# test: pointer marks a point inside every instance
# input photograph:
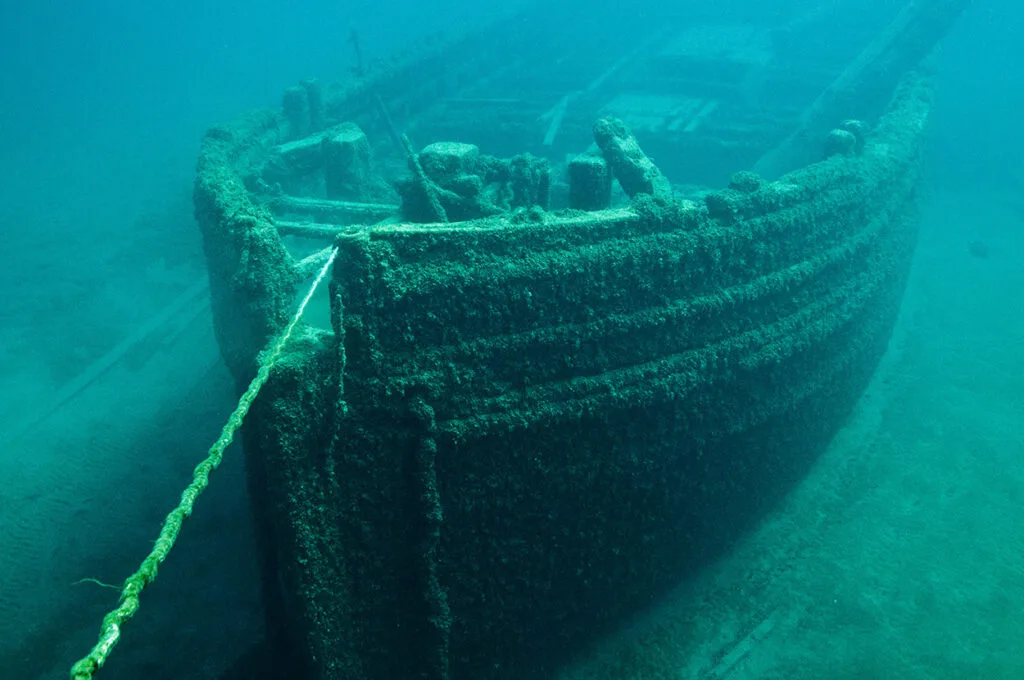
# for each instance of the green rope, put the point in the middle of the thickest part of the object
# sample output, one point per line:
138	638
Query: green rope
110	631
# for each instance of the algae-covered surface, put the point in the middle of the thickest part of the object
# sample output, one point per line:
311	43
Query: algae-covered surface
899	555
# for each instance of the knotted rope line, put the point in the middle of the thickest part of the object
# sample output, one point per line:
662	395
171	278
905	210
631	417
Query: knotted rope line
110	630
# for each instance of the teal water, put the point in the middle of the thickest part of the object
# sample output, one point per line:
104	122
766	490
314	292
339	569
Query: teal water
899	557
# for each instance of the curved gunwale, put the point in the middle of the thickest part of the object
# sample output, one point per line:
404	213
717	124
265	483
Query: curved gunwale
425	274
237	218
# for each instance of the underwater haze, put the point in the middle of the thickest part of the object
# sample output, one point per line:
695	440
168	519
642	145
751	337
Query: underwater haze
896	554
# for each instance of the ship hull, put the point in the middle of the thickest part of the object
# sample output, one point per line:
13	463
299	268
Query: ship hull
518	432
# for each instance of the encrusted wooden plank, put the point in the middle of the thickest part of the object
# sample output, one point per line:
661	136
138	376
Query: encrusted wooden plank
321	210
732	658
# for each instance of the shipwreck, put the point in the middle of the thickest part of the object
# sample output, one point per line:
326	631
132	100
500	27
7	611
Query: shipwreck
598	296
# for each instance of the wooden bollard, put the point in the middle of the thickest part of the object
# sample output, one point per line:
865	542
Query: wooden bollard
590	183
347	163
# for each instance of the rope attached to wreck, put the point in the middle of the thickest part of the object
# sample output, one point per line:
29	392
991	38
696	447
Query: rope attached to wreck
110	631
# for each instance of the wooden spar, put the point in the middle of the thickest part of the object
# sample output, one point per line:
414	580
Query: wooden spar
308	230
910	37
428	188
323	210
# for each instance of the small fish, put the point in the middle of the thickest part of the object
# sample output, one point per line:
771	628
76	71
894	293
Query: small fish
978	249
